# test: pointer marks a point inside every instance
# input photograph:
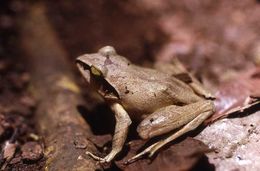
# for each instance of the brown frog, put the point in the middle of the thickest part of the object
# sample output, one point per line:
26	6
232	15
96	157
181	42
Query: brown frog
165	99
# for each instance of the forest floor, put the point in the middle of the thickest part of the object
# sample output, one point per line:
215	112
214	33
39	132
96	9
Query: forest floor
218	41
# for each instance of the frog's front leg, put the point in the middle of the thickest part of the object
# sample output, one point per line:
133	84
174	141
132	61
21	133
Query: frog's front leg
123	121
170	118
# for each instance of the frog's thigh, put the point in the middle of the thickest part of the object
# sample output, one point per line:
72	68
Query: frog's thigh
188	127
194	123
171	117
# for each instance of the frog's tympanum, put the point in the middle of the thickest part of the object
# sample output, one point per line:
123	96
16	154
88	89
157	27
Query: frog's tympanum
163	100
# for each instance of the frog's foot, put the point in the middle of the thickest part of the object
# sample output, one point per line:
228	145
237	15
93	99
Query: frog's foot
150	151
99	159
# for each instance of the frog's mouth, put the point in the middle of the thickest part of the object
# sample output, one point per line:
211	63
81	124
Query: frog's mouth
97	82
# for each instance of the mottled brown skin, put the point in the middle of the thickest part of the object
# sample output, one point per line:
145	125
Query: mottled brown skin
164	101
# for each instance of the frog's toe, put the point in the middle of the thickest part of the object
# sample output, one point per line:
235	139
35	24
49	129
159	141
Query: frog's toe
135	158
100	159
104	160
148	151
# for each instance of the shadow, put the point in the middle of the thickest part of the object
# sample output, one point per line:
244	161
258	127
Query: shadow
246	112
101	119
203	164
113	167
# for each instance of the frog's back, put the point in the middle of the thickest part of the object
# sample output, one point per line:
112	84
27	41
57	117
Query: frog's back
146	90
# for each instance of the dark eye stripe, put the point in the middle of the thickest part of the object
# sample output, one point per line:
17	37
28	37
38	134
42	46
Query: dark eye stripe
104	85
83	65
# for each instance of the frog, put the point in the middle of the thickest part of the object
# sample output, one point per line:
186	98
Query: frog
165	99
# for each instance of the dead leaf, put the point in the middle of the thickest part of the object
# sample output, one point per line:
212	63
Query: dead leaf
237	94
8	152
32	151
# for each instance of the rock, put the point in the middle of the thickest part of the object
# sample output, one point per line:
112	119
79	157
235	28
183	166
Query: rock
32	151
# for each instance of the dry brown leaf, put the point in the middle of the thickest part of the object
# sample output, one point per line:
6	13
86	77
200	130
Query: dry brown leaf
237	94
8	151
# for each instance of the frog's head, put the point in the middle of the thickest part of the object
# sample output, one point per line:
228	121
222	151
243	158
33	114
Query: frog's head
99	70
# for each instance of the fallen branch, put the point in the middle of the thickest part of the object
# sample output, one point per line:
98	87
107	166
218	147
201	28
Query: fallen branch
65	132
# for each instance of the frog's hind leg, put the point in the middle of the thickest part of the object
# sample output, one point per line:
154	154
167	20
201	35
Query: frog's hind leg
177	69
194	123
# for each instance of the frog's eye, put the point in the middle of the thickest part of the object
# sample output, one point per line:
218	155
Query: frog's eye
95	71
